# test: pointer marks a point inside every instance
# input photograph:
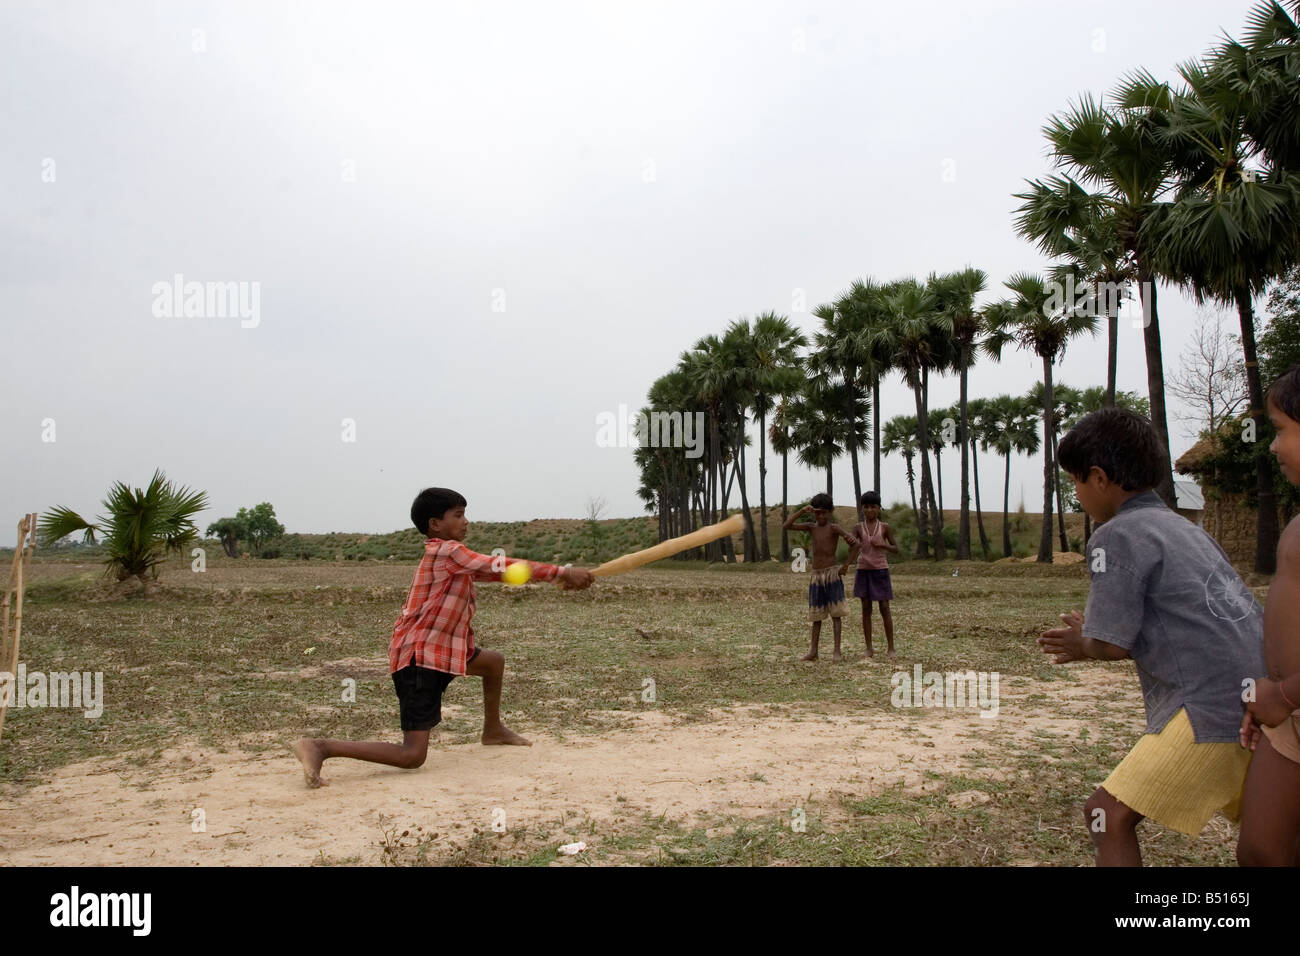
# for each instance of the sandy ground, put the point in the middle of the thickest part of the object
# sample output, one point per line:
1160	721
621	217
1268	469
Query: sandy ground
749	761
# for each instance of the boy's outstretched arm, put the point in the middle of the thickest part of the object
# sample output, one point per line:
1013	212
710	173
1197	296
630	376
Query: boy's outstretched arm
1068	643
470	562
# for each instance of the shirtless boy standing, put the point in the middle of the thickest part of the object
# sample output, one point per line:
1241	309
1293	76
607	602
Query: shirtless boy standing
826	589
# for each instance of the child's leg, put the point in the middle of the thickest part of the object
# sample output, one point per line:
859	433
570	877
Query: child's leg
888	618
1270	810
1113	828
314	751
816	635
491	665
866	624
836	657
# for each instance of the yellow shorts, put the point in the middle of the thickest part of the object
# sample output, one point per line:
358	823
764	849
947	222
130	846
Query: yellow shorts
1173	780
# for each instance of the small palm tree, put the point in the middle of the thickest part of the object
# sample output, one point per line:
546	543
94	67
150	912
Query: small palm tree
140	528
899	438
1010	429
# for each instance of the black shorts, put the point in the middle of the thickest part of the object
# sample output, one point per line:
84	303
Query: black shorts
419	695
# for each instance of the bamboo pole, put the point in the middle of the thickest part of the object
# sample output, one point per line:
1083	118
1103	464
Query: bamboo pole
17	584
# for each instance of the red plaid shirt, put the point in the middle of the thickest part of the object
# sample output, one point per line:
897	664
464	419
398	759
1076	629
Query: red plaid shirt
434	629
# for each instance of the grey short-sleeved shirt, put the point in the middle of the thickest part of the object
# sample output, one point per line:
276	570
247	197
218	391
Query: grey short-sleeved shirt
1169	596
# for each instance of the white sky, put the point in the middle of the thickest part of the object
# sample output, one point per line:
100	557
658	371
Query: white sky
497	147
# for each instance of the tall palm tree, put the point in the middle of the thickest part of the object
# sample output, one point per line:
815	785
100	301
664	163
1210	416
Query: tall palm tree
708	370
1066	402
1231	230
917	338
838	354
1011	429
1028	320
779	434
776	345
1117	151
1068	222
141	527
738	341
957	292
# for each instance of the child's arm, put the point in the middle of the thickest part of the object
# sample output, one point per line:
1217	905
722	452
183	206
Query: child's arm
1272	703
1068	643
465	561
792	523
888	532
854	547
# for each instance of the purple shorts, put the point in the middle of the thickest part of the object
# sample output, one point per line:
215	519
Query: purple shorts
872	584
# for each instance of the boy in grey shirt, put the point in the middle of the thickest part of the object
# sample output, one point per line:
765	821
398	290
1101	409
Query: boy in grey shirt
1164	594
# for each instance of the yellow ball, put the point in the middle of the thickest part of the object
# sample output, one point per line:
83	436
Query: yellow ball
517	573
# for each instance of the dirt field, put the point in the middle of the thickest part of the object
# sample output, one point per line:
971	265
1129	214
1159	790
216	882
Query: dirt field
746	755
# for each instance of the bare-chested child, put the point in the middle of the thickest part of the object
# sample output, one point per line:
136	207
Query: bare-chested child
433	642
871	582
1270	806
826	589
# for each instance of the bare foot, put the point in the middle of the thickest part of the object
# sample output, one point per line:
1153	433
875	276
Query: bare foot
891	656
503	735
837	658
870	656
810	656
311	756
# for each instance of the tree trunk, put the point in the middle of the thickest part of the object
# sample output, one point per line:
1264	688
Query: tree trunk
764	553
963	519
1045	539
1266	532
1006	511
911	484
1060	500
1112	354
979	514
785	497
875	430
927	482
1156	382
938	474
750	542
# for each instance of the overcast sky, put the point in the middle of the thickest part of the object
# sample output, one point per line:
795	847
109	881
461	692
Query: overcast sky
473	228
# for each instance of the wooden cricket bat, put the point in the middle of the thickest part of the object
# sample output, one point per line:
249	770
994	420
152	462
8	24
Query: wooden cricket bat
666	549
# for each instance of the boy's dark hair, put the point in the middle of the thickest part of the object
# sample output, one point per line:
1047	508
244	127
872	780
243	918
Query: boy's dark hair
1120	442
433	503
1284	393
870	498
822	502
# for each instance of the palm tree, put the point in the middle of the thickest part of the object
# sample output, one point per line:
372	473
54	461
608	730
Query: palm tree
1068	222
709	372
1011	429
899	438
1065	407
1118	152
140	528
917	338
957	292
839	353
1231	229
817	423
738	341
782	443
776	345
1028	320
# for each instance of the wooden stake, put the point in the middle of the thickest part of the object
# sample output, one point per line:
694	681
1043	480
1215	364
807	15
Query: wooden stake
17	584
